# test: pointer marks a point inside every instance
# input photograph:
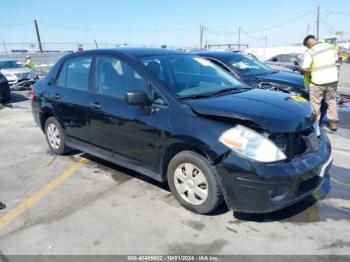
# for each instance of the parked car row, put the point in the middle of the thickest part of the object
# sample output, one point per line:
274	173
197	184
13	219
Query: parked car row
17	75
189	120
292	61
14	76
257	74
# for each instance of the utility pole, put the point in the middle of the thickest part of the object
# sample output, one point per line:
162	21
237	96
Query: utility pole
38	36
3	41
201	36
318	22
239	38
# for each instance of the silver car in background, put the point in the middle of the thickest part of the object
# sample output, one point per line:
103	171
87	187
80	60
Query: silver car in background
18	75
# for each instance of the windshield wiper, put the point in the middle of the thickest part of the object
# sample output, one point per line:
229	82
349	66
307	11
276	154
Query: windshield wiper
196	96
231	89
222	91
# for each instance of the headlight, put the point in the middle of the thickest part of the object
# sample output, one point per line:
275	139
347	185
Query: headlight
251	144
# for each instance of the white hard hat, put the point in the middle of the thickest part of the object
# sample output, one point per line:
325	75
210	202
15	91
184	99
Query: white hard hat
28	56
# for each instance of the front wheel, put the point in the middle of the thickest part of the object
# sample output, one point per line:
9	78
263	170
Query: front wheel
55	137
194	183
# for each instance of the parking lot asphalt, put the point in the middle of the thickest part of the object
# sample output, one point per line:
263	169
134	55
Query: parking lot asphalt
78	204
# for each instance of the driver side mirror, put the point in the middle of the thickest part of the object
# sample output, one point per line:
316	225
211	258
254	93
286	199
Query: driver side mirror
137	98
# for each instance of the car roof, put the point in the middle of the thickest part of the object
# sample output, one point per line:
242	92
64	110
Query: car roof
217	54
136	51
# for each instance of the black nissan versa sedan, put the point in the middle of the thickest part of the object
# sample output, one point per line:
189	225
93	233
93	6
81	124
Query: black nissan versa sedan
177	117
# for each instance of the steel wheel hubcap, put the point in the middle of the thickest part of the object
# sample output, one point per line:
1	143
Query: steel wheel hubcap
53	136
191	184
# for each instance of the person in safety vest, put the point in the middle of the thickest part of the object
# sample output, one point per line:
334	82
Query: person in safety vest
320	66
29	63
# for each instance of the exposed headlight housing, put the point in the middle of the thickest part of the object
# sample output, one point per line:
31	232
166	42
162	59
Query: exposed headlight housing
251	144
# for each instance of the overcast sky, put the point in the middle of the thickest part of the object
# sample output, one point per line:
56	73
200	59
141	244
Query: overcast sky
171	22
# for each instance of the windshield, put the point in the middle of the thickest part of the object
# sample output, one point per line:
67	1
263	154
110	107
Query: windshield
247	66
188	75
10	64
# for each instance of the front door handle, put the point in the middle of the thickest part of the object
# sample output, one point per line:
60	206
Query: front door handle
96	105
56	96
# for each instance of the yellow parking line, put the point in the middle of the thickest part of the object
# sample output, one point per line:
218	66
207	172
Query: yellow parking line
31	201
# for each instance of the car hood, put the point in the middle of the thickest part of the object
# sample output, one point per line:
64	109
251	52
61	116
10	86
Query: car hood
21	70
273	111
283	77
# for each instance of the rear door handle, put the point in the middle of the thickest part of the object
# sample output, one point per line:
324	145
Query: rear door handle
56	96
96	105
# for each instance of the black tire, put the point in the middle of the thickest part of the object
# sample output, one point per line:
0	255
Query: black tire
63	148
7	100
214	196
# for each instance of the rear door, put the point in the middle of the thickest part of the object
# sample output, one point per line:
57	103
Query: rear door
71	97
125	130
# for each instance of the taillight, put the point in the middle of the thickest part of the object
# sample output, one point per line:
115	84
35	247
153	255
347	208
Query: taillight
32	94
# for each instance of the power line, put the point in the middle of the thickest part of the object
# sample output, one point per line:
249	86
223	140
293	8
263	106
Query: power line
226	33
251	37
114	31
217	32
338	13
282	24
10	25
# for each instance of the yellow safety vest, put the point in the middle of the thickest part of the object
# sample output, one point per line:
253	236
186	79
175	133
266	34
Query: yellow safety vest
307	80
324	68
30	64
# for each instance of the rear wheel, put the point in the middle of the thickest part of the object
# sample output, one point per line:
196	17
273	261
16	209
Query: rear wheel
193	182
55	137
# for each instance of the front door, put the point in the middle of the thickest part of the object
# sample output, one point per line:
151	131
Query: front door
117	127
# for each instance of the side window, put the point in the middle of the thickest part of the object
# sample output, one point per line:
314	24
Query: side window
285	59
115	77
78	72
61	80
75	74
155	66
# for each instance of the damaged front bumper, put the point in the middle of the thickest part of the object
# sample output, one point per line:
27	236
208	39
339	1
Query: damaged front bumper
23	83
253	187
